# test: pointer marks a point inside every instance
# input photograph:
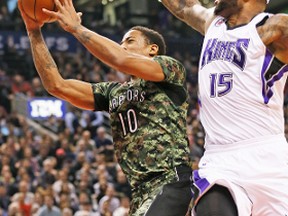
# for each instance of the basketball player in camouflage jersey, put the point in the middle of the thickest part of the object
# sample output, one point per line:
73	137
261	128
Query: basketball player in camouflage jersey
148	113
148	125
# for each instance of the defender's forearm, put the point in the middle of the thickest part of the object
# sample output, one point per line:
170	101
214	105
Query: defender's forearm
177	7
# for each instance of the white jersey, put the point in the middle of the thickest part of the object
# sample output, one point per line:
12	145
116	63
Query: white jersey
240	84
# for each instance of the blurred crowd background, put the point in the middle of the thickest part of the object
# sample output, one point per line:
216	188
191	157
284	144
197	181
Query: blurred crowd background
66	166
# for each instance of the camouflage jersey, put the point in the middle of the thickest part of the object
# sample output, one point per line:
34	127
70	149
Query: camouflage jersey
148	121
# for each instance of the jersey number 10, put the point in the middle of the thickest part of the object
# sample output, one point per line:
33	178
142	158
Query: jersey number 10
128	121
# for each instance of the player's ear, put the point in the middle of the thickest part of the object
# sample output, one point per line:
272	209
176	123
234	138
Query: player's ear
153	49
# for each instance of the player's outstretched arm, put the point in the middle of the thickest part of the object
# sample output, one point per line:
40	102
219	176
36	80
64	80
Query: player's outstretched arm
191	12
274	34
108	51
76	92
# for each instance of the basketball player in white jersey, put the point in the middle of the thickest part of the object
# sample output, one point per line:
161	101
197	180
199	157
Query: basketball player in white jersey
242	74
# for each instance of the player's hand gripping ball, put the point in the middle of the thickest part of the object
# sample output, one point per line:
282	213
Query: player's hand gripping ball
33	9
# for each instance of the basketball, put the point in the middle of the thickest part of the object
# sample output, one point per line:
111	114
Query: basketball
33	9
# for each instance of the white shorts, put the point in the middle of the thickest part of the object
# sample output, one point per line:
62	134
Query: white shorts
254	171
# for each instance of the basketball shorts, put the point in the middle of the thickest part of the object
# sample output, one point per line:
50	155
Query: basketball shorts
159	198
254	171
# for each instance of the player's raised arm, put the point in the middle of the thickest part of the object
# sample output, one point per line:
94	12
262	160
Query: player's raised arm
108	51
76	92
191	12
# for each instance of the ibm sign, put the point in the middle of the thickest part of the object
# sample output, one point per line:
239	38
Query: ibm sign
42	108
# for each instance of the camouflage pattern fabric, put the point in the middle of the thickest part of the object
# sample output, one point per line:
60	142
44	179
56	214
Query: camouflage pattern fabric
148	121
145	194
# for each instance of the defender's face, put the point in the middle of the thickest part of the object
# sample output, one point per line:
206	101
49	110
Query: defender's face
134	41
225	8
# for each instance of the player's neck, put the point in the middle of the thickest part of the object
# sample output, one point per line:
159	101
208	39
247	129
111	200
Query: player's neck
243	17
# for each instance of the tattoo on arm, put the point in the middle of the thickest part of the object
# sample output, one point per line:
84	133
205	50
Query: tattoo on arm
92	41
85	37
43	60
271	30
175	7
50	64
182	4
178	7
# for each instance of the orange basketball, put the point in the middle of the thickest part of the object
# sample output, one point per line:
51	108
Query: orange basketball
33	9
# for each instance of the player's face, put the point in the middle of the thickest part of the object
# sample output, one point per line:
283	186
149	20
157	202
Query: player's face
134	41
225	8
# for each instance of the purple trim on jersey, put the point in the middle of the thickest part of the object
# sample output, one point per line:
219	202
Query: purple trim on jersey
199	102
275	78
201	183
267	62
268	84
278	75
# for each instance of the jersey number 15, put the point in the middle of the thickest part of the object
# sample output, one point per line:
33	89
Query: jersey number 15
220	84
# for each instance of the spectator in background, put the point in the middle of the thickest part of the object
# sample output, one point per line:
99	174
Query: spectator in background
8	181
71	118
84	186
111	198
38	201
91	120
101	186
49	209
102	140
86	210
43	154
7	161
11	6
86	173
87	139
34	166
122	186
61	157
5	93
67	212
23	199
79	162
62	179
86	206
123	209
37	88
88	150
23	192
105	209
105	146
66	190
24	206
13	209
4	198
19	85
66	201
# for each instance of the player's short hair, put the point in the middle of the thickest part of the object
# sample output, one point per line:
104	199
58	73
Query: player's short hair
153	37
